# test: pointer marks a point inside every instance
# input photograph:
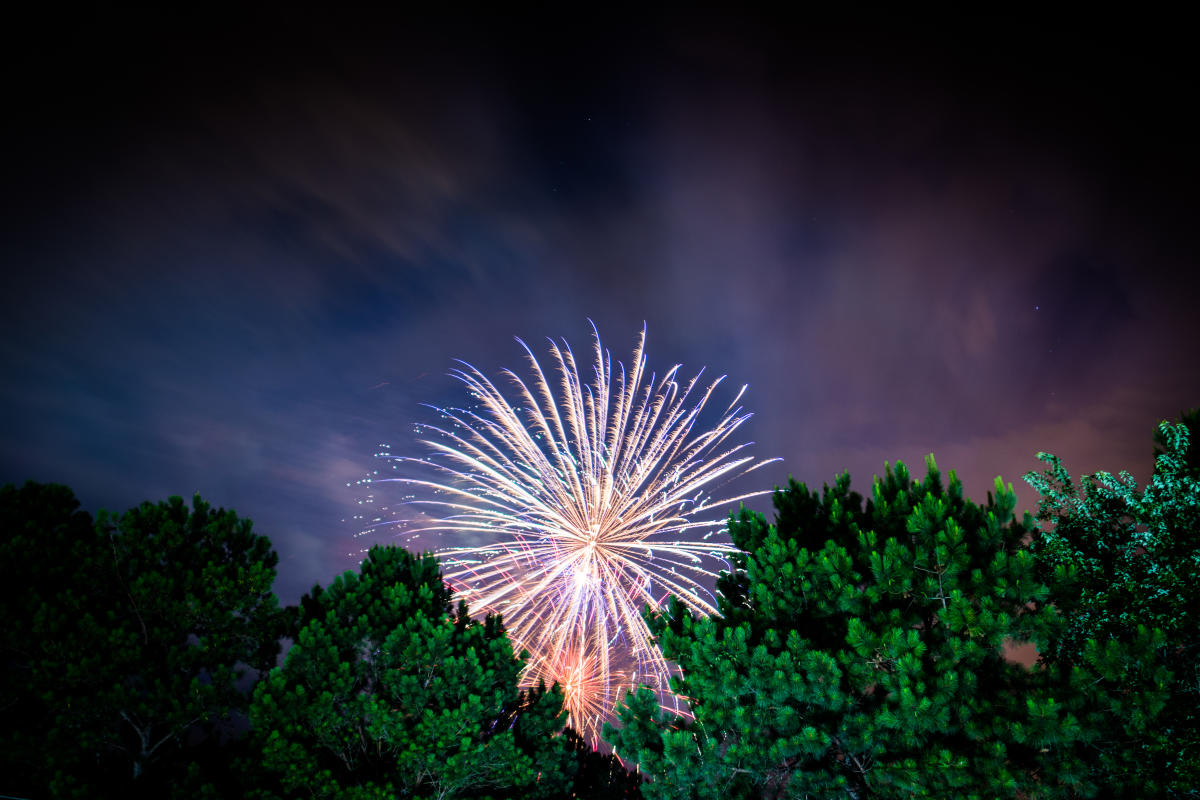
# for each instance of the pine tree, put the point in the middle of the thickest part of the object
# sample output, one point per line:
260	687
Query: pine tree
124	640
859	651
390	692
1124	569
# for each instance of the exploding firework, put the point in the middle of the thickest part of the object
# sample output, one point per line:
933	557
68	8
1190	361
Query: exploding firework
590	503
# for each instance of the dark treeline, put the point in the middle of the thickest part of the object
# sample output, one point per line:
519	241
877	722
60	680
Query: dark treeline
139	659
863	648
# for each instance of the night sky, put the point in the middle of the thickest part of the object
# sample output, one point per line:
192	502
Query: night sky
240	253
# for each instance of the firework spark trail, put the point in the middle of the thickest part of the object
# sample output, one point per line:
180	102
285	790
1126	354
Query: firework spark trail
585	497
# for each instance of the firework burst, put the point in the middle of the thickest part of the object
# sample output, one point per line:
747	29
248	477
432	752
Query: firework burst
591	503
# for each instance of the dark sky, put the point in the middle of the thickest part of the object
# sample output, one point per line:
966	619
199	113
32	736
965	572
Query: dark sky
241	252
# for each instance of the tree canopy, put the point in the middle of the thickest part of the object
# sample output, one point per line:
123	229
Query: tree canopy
1123	565
391	692
124	638
859	650
862	648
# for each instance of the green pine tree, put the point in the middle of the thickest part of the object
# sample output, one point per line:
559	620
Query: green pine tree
390	692
1123	564
859	651
125	641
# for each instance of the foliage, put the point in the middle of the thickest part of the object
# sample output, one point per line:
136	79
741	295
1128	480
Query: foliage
389	692
47	559
860	652
1124	567
125	639
1191	457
